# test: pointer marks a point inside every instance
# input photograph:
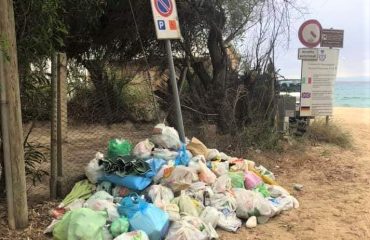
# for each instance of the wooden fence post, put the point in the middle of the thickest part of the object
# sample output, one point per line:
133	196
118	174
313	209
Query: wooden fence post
53	131
62	116
14	152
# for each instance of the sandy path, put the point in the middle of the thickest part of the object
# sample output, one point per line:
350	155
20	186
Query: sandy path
335	200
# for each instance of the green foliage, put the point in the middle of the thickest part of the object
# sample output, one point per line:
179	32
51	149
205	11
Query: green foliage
40	29
262	136
86	106
36	93
34	156
331	133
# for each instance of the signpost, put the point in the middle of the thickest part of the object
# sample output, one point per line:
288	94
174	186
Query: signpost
332	38
165	19
317	83
167	27
307	53
319	68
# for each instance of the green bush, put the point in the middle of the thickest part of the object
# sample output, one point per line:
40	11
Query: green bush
331	133
262	135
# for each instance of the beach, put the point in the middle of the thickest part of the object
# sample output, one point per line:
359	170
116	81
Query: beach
334	203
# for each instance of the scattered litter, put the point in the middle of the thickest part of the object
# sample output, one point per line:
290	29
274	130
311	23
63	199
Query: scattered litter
165	189
251	222
298	187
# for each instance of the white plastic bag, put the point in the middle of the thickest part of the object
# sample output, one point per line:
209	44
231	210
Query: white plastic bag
134	235
143	149
76	204
220	168
101	195
103	205
160	195
229	222
251	203
164	154
180	178
93	171
182	230
196	191
222	201
283	203
157	178
50	228
188	205
205	174
222	184
194	163
106	234
277	191
173	211
208	229
213	154
211	231
210	215
166	137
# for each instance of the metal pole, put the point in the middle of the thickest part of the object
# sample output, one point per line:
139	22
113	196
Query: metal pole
327	120
6	150
175	92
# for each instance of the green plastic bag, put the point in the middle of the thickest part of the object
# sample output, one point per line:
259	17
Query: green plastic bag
82	189
81	224
118	148
119	226
237	179
261	188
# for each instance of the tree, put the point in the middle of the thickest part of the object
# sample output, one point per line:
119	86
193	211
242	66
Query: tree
211	28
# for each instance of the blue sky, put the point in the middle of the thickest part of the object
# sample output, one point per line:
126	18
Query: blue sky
351	15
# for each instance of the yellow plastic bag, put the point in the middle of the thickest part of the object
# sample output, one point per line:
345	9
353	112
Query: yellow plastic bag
265	179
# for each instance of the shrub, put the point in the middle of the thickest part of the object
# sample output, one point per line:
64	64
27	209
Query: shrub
319	131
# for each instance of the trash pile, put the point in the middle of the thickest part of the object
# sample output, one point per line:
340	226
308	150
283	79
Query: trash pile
164	189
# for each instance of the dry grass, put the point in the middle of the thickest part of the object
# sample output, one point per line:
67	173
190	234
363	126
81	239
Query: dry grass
331	133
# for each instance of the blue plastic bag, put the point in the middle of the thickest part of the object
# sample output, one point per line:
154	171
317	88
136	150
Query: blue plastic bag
144	216
155	165
131	204
182	158
138	183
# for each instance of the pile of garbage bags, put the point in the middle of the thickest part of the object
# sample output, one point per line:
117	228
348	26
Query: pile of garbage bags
165	189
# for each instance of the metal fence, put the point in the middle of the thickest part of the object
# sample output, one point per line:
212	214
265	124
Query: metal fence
78	115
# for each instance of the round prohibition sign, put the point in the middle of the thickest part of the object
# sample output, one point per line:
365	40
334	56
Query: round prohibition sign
310	33
164	7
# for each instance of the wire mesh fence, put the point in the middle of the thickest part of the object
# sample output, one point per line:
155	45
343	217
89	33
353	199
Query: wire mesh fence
82	109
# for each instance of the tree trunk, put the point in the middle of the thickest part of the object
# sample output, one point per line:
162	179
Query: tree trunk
99	80
219	70
12	132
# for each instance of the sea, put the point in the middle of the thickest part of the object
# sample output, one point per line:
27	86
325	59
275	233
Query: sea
352	94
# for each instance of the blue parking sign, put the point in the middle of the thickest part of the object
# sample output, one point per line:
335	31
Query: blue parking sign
161	25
